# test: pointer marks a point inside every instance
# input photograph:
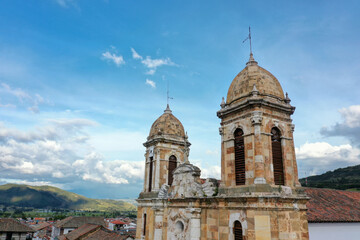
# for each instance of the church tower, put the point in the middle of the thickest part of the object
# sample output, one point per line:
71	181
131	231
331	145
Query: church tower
257	132
259	196
164	152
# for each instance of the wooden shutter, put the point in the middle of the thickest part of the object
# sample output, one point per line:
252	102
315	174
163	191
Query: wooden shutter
237	231
150	173
239	157
277	157
144	229
172	166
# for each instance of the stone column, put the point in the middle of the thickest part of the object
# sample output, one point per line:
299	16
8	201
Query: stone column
256	121
159	215
195	223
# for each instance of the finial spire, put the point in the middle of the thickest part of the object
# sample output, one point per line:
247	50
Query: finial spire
167	110
251	59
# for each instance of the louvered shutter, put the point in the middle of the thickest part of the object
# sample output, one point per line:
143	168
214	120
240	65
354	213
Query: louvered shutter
150	173
172	166
237	231
277	157
239	157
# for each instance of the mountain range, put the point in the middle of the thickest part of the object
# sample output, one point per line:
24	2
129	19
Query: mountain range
48	197
342	178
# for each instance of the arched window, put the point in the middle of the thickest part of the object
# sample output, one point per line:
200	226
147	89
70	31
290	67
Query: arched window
277	157
172	166
144	226
239	157
151	163
237	230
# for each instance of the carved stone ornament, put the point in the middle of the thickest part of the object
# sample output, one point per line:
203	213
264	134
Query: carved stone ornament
163	193
222	105
256	118
221	131
292	127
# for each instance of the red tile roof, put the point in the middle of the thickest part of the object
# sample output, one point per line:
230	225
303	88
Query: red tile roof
118	222
75	222
11	225
79	232
328	205
92	232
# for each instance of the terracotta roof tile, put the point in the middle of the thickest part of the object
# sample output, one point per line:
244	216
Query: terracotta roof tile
328	205
11	225
81	231
75	222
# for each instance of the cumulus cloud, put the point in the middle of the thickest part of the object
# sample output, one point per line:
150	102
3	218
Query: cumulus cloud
211	172
349	127
54	154
150	83
319	157
117	59
150	63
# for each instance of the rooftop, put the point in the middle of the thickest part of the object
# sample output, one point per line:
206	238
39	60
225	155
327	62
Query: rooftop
329	205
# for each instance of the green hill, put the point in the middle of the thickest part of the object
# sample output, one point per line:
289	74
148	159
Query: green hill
47	197
343	178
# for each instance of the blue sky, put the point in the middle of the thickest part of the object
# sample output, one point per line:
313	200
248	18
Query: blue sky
81	83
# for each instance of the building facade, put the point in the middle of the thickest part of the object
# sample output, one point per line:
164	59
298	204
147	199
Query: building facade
259	195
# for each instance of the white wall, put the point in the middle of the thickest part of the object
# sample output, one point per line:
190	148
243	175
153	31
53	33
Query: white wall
334	231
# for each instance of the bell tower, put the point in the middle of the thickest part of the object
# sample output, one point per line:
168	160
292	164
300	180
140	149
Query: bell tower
164	152
257	145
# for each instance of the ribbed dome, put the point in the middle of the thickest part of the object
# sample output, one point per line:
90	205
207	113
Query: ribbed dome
252	74
167	124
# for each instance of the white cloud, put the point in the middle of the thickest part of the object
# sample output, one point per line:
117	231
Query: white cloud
349	128
319	157
135	55
23	97
150	83
152	64
150	72
54	154
351	115
211	172
117	59
20	94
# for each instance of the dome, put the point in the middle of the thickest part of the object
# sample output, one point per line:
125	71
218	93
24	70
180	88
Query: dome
243	83
167	124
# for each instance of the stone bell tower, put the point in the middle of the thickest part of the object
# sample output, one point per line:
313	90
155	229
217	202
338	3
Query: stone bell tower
164	152
257	131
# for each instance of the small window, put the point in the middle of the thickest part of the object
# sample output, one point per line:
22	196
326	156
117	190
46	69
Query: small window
238	235
172	166
239	157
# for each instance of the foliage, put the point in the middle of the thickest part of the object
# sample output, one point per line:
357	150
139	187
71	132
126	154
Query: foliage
343	178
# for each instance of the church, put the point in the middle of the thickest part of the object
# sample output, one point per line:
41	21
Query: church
259	195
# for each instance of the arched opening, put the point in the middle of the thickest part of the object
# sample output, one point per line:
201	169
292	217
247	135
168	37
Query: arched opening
237	230
151	163
239	157
144	226
172	166
179	227
277	157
